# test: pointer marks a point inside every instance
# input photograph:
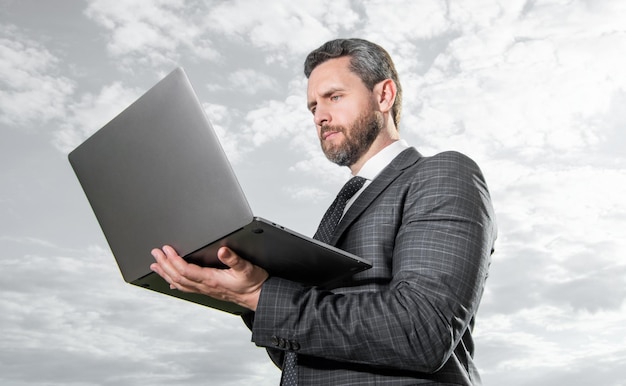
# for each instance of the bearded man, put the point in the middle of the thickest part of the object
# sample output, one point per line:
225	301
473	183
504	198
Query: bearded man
426	224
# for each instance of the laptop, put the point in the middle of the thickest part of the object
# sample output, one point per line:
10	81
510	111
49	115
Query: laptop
157	175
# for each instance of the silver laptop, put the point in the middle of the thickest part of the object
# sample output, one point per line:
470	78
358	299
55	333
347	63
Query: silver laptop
156	175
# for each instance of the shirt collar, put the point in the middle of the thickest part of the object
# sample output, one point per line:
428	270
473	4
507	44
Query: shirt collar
373	166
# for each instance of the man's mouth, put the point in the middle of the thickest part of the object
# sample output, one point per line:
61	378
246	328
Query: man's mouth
328	134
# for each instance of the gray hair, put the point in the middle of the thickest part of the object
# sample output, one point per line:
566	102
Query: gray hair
368	61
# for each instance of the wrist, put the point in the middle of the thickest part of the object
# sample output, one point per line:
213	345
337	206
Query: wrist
251	299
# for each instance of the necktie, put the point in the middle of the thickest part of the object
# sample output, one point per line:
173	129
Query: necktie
324	233
290	373
335	211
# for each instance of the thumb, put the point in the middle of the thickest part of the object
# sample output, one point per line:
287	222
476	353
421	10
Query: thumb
231	259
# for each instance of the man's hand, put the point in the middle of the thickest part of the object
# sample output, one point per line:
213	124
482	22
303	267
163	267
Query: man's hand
240	284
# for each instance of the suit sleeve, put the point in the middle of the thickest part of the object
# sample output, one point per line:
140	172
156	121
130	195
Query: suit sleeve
441	251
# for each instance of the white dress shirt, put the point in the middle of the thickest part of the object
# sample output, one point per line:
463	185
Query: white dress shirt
373	166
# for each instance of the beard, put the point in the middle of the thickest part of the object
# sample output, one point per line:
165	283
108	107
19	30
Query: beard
358	138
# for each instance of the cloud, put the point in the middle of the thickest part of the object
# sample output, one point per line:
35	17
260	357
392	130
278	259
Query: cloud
251	81
31	241
94	326
428	19
292	24
274	120
557	231
160	32
553	342
613	119
155	33
90	113
307	193
555	298
535	79
235	144
533	90
245	81
32	91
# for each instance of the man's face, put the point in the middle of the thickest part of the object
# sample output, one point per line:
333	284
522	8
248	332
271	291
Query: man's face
344	110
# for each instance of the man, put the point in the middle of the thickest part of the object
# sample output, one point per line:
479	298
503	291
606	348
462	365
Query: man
426	223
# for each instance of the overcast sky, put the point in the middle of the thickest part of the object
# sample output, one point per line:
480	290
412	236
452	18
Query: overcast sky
533	90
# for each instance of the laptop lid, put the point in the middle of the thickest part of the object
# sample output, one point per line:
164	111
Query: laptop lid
157	174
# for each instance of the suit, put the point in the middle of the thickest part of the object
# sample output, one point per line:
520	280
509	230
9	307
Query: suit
428	227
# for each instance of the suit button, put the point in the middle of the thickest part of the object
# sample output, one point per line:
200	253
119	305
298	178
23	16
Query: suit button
274	340
295	346
282	343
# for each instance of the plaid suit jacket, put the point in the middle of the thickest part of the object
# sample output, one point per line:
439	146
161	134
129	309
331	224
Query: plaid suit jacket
428	226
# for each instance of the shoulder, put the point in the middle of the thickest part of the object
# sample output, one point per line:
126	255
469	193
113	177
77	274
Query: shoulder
448	173
449	160
449	169
411	158
447	163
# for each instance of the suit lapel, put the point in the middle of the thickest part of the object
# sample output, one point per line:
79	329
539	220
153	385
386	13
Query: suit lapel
405	159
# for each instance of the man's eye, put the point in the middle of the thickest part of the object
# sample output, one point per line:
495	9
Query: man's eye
335	98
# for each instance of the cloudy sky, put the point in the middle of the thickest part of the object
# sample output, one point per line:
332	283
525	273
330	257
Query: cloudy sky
530	89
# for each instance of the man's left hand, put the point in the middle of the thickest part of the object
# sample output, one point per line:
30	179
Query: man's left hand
241	283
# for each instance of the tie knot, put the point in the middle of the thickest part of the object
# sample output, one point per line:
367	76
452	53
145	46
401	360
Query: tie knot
351	187
335	212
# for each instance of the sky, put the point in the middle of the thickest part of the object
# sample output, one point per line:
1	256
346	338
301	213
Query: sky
533	91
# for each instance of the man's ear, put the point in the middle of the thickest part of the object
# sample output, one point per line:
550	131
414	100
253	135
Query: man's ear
385	92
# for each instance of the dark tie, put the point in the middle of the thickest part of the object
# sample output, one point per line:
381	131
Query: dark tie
324	233
290	372
335	211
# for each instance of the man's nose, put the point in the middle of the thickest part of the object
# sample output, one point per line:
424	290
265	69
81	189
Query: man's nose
321	116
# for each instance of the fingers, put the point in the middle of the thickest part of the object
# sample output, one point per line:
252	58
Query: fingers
240	284
241	268
231	259
161	261
175	270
